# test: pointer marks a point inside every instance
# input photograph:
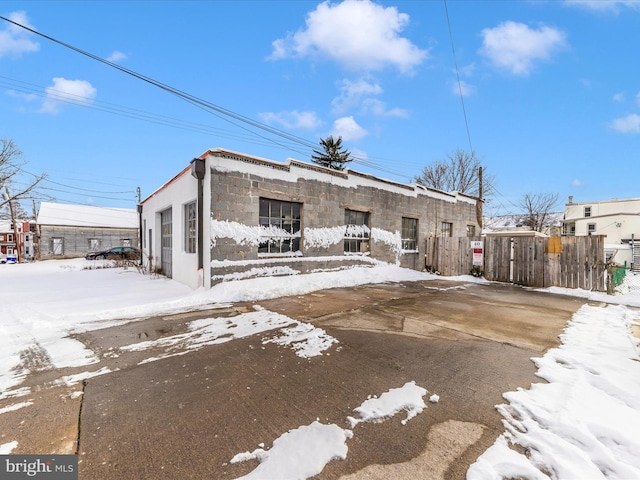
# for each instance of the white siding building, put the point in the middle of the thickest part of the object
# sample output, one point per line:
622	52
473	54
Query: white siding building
618	220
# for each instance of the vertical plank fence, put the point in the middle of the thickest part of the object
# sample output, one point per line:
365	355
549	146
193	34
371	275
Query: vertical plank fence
571	262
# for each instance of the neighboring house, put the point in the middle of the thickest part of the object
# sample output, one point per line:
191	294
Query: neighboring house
618	220
229	214
68	231
520	223
10	245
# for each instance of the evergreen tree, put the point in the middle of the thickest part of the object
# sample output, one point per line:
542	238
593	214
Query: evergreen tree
334	155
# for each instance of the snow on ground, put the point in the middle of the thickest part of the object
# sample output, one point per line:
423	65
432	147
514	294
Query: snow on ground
303	452
583	423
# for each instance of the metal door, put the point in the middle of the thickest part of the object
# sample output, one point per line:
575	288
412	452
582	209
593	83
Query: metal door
166	241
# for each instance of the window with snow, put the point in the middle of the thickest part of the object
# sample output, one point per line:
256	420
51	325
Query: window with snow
190	227
280	226
356	237
409	233
446	229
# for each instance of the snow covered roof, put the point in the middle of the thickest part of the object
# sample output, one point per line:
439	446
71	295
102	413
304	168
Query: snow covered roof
86	216
292	170
521	221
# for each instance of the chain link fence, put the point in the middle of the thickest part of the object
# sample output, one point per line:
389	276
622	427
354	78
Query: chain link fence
621	280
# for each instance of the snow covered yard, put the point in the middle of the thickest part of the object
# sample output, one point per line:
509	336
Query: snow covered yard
583	423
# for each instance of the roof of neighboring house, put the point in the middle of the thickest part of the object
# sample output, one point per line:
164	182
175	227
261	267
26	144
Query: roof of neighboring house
514	222
86	216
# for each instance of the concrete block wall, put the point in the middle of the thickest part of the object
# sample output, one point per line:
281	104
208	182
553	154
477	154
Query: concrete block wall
235	197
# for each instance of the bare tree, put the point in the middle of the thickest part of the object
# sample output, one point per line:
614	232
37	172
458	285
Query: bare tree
333	156
11	162
538	208
459	172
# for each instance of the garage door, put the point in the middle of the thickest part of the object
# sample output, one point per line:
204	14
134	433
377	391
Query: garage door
166	236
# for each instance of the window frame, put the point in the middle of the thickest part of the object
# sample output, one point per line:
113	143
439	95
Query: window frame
448	231
587	212
409	234
591	228
57	241
281	225
471	231
190	227
356	239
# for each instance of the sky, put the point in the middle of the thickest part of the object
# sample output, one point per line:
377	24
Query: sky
546	93
580	421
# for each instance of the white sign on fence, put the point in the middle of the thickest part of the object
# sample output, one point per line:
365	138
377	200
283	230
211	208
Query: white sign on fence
478	250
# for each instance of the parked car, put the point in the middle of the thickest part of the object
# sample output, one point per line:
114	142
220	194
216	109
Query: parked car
115	253
9	259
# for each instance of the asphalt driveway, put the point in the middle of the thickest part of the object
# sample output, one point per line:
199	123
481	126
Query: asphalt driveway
187	415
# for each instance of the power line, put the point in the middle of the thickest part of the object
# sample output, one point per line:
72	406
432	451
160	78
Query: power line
216	110
455	62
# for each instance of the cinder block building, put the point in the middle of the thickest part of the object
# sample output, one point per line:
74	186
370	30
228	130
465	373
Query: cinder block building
68	231
229	214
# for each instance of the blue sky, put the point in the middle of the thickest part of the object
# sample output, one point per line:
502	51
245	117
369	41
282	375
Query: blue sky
551	90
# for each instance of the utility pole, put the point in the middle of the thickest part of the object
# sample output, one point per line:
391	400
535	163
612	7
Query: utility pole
480	200
36	233
15	225
140	232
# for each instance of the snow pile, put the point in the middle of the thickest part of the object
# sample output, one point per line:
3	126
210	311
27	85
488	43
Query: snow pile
305	339
394	240
300	453
323	237
247	234
257	272
6	448
357	231
585	422
408	397
303	452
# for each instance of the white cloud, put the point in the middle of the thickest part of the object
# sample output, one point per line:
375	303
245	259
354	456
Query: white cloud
14	41
358	34
618	97
348	129
379	108
463	88
515	47
628	124
116	56
353	93
79	92
293	119
577	183
360	94
29	97
613	6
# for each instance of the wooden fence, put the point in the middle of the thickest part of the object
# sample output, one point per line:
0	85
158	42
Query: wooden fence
571	262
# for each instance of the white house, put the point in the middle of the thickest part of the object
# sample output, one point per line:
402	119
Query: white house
618	220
